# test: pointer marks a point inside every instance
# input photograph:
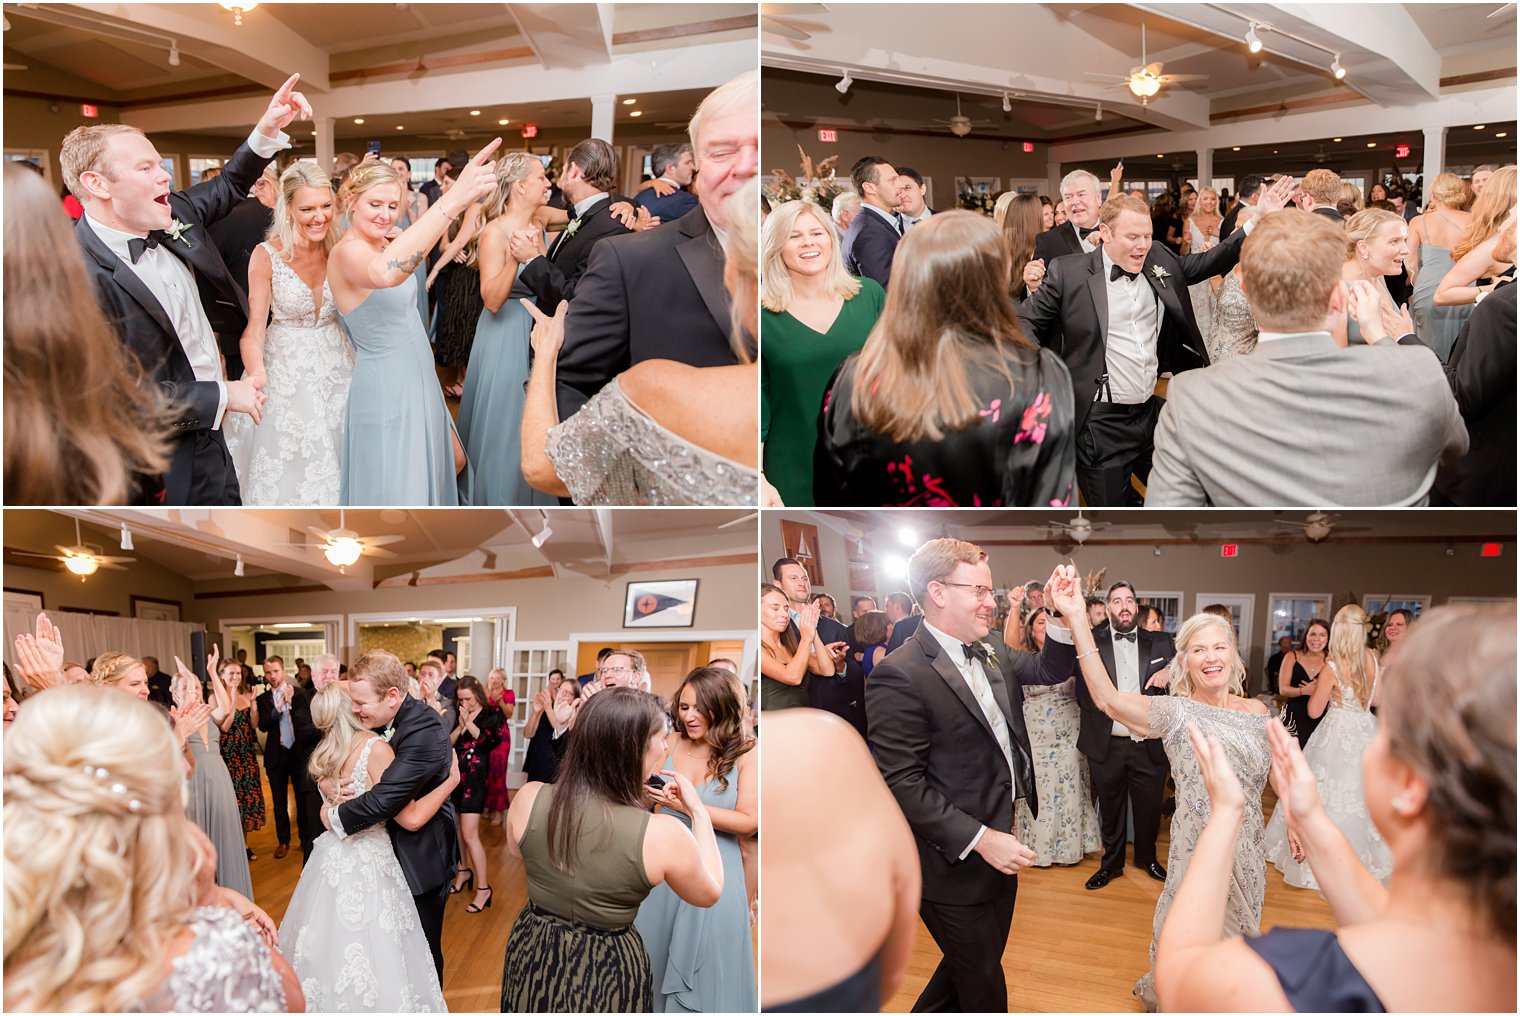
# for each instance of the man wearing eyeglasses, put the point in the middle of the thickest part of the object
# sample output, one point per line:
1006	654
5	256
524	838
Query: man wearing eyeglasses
947	726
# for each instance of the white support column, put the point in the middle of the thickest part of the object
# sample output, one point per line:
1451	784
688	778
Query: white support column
325	138
1053	174
1435	158
1205	168
602	107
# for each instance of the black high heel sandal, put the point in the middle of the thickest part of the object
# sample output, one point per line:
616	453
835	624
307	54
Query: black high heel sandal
490	894
468	883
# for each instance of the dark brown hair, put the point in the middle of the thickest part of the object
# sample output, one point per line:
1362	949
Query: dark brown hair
1449	703
603	765
788	638
947	319
871	628
720	700
597	161
1023	222
80	418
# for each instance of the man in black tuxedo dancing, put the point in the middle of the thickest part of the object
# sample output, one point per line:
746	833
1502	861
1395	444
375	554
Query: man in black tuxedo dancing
590	173
378	686
1120	317
947	727
162	283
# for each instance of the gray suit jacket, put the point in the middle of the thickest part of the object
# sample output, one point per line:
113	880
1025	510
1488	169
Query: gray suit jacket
1302	421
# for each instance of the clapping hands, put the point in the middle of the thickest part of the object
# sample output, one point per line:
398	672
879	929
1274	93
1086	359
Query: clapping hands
39	656
1275	198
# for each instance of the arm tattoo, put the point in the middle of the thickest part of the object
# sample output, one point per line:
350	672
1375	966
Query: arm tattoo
409	265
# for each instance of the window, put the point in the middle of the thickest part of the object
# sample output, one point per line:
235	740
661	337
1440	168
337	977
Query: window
1242	606
1292	612
1170	605
199	165
36	156
1382	603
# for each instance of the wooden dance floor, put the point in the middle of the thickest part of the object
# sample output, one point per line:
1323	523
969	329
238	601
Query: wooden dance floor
1075	950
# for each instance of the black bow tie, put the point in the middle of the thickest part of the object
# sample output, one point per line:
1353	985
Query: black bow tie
137	246
1116	271
975	649
1085	233
1125	636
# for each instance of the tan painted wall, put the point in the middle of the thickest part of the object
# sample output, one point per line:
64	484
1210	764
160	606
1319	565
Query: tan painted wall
106	589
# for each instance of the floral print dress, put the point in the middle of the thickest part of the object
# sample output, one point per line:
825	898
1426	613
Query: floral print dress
1019	451
496	781
240	750
1067	828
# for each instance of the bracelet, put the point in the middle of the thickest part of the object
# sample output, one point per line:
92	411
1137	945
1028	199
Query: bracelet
446	215
1094	649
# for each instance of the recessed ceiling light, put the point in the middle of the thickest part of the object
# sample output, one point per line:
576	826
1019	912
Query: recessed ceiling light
400	128
629	102
1336	140
1274	151
474	112
1160	156
1235	149
1502	134
503	123
1372	144
358	119
1479	126
637	112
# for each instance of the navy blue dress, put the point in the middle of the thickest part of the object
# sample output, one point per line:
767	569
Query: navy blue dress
1314	972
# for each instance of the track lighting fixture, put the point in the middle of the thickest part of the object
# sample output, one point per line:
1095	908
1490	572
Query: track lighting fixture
1253	41
1336	68
1007	106
173	53
126	537
844	83
237	569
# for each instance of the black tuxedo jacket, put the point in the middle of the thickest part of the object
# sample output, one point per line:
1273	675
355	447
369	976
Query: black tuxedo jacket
423	758
553	278
1058	241
655	295
1069	312
870	244
940	758
902	631
238	233
307	736
1329	213
1481	371
1156	650
144	325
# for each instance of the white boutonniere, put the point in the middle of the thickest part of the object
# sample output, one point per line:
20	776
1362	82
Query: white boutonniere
572	227
177	231
991	654
1160	275
389	732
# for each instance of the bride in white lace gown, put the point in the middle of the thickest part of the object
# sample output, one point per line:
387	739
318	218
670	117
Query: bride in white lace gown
1334	753
304	356
351	930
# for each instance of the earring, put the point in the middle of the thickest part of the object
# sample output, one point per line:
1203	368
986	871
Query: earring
1401	803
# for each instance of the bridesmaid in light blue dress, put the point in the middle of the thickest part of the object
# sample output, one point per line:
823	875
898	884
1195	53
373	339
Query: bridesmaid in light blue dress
413	207
702	959
400	447
490	413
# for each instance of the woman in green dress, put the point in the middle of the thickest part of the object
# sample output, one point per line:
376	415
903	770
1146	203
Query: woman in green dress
813	315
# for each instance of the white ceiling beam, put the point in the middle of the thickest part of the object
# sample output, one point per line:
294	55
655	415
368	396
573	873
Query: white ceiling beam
261	49
1478	106
566	35
705	66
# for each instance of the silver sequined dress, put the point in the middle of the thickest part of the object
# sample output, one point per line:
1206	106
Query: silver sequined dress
1244	737
612	453
227	968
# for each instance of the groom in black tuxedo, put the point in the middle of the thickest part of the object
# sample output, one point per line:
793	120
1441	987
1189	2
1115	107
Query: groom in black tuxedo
1120	317
1126	772
378	685
947	728
590	173
164	286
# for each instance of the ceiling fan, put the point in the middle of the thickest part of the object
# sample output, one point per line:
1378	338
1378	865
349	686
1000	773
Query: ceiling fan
342	546
959	124
1145	79
1079	528
777	19
80	559
1318	526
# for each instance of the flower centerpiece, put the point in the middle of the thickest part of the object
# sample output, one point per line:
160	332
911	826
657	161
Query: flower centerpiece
815	183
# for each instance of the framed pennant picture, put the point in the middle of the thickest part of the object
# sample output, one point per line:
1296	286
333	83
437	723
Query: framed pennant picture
800	541
661	604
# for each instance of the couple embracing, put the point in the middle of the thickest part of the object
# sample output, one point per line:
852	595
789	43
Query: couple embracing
369	906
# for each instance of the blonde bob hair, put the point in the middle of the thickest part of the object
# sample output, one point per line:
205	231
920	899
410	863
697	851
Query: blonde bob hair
282	231
332	712
100	870
776	281
1181	682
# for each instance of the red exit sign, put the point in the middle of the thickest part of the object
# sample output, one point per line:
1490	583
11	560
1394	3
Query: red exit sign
1028	146
1229	550
85	109
1493	549
827	136
1401	151
530	130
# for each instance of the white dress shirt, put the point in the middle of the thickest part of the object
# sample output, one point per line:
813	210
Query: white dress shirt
909	222
891	217
1087	245
972	671
1134	328
1126	662
584	204
172	284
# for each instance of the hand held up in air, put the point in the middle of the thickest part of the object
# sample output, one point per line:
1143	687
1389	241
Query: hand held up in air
284	108
476	180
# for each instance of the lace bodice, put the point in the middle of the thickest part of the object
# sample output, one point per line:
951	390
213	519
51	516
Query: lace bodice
294	303
1343	698
612	453
226	969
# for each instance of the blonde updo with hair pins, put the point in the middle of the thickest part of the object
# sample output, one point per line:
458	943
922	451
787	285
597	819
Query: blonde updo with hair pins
367	176
510	168
99	867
